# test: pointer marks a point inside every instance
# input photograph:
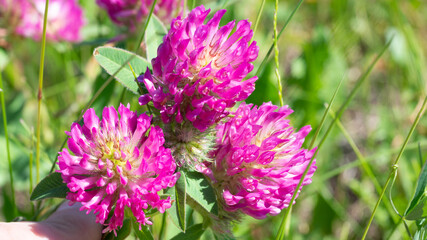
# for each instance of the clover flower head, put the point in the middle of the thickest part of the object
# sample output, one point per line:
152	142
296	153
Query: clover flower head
64	19
199	69
131	12
259	160
116	163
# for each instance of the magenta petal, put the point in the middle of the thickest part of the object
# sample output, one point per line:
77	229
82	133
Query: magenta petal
109	165
263	160
200	69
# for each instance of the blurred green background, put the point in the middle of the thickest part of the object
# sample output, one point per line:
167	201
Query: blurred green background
326	41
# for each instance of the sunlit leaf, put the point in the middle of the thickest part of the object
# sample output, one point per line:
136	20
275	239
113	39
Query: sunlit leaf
144	233
418	198
116	59
193	232
199	189
177	211
51	186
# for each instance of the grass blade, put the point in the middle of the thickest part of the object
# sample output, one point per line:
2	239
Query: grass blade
9	161
258	16
40	91
354	164
145	26
329	105
365	166
287	215
394	168
276	55
354	91
281	233
264	61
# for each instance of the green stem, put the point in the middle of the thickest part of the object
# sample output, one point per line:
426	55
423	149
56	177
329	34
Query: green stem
145	26
287	216
264	61
9	161
365	166
402	218
276	55
395	166
224	4
258	17
40	91
328	107
281	233
57	155
353	92
354	164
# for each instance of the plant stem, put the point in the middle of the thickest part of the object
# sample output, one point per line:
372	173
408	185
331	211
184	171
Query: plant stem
325	114
395	166
365	166
264	61
287	216
281	233
145	26
276	55
40	91
258	17
9	161
353	92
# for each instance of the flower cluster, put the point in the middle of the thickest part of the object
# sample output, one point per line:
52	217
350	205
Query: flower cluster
117	162
131	12
64	21
259	161
199	69
253	157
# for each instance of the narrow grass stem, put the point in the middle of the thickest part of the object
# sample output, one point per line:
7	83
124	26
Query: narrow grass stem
224	4
365	166
402	218
353	92
31	161
9	161
276	55
109	80
287	215
145	26
353	164
325	114
395	166
258	17
264	61
56	158
40	91
281	233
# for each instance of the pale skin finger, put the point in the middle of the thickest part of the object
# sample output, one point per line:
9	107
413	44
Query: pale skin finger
66	223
